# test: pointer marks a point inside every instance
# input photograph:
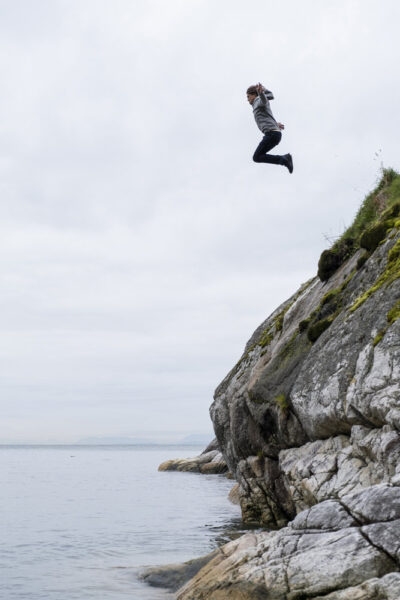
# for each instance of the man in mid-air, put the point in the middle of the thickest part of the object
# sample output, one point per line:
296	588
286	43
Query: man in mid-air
259	98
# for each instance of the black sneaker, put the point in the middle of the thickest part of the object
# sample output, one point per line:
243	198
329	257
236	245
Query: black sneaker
289	162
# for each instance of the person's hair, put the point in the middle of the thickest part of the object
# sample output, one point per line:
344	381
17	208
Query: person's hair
252	90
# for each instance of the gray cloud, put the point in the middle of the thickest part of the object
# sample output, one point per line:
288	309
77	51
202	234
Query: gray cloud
139	244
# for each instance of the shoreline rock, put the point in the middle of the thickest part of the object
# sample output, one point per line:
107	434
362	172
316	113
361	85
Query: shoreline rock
209	462
340	550
174	576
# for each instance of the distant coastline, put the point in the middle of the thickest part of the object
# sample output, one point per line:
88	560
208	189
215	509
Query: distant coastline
190	440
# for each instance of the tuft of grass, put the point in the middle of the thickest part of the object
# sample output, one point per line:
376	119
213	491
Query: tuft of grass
390	274
282	402
330	296
290	347
266	337
315	330
381	205
327	311
378	337
392	316
369	210
394	313
303	325
373	235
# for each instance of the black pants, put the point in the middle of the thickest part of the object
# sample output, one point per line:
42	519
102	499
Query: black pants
269	141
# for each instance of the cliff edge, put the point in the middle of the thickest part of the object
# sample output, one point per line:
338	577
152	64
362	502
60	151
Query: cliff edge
311	411
308	422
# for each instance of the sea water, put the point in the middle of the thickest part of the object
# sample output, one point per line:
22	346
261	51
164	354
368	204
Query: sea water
80	522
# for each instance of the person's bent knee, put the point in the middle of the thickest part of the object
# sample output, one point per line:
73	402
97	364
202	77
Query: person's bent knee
257	157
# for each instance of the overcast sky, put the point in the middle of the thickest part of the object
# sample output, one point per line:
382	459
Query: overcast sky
140	246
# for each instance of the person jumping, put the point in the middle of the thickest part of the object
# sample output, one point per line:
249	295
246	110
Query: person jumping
259	97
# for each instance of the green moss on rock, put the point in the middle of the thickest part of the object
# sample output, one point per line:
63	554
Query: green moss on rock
390	274
315	330
279	320
392	212
328	263
290	348
282	402
330	260
266	337
382	204
303	325
394	313
372	236
392	316
379	336
330	296
362	260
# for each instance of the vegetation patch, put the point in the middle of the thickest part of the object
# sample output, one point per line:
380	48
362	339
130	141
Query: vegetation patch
266	337
318	327
330	296
368	228
372	236
362	260
282	402
279	319
269	333
394	313
380	335
289	349
303	325
256	398
390	274
330	260
394	210
392	316
323	316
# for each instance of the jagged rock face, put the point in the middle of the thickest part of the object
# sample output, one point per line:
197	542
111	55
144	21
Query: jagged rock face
312	409
337	550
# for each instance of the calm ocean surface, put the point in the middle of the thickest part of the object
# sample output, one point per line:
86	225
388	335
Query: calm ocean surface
78	522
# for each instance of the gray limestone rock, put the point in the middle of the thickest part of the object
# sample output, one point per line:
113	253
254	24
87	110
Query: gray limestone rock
302	421
329	515
211	461
324	551
379	499
385	588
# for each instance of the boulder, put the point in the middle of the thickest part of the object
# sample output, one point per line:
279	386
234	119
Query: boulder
325	552
210	461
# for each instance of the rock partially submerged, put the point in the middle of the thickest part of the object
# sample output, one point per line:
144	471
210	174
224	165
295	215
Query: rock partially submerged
173	577
210	461
336	550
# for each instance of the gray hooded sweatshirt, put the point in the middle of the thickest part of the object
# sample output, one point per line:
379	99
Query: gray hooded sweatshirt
263	114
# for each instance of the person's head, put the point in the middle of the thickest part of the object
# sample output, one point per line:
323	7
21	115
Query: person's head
252	93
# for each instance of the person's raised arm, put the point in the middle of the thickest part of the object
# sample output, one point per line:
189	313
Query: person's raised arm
263	93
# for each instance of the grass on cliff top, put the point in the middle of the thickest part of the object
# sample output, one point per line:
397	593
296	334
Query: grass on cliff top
369	227
385	194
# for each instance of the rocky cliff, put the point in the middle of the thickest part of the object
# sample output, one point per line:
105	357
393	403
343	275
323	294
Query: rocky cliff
308	422
312	409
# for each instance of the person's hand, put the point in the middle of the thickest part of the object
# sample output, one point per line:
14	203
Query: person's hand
260	88
281	126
